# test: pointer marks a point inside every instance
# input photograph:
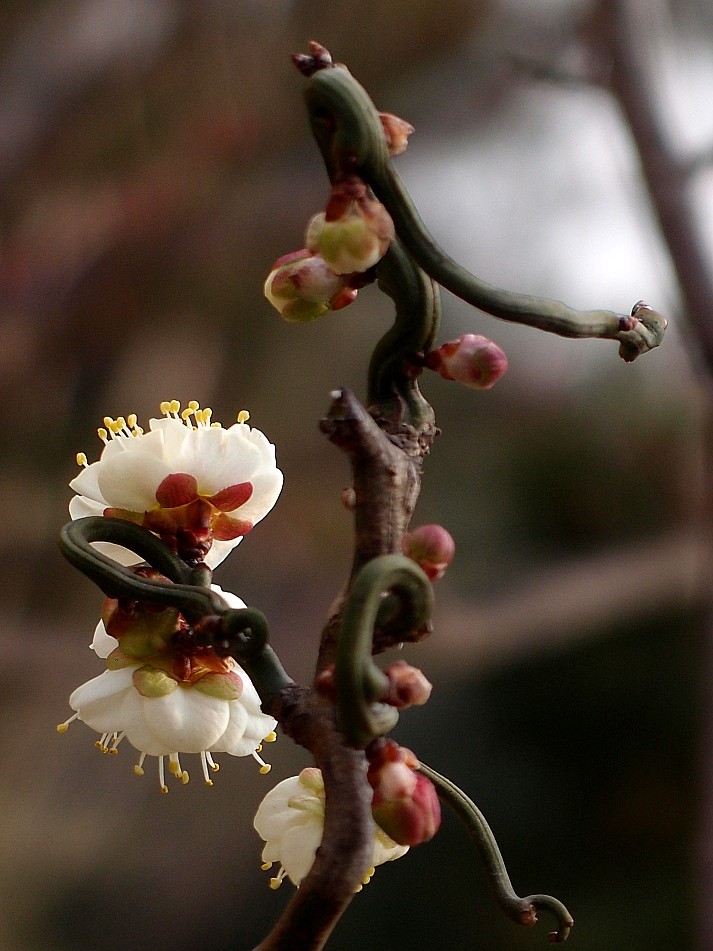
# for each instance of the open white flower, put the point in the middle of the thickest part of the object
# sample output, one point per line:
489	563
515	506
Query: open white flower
176	703
198	486
291	820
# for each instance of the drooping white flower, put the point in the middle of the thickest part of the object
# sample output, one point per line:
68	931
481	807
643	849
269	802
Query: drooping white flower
198	486
172	701
291	820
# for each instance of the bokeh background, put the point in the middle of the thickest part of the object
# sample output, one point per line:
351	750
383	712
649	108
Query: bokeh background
155	159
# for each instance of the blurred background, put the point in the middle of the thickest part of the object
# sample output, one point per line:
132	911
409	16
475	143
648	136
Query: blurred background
155	159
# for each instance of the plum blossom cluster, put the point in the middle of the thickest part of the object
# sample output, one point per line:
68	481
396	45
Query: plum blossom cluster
290	820
166	695
342	244
200	488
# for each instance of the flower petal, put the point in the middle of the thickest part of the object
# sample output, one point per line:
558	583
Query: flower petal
99	702
129	481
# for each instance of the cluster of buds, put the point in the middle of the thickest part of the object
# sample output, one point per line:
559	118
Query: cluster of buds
405	803
343	243
471	359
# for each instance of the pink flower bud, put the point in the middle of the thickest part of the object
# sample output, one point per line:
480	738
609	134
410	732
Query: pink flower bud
302	287
472	360
432	548
354	232
407	686
396	132
405	803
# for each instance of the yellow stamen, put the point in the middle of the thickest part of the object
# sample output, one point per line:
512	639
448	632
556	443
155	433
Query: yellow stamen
275	883
82	459
266	865
265	769
132	420
165	407
63	727
193	405
175	407
185	777
138	770
270	738
243	416
103	435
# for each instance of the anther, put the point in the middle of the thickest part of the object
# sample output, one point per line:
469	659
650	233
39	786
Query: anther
270	738
63	727
103	435
243	416
82	460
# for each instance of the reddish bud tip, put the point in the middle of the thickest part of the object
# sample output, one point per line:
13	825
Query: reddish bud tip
408	687
396	132
472	360
405	803
432	548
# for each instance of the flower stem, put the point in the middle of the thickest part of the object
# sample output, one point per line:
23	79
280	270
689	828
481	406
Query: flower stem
239	632
348	132
359	682
521	910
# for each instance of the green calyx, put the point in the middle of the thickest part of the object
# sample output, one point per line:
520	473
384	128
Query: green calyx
152	682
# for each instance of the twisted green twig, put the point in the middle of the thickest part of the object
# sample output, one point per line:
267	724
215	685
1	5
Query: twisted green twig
359	682
238	632
392	371
348	130
521	910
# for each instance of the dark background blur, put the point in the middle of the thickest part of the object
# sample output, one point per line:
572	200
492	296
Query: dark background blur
155	159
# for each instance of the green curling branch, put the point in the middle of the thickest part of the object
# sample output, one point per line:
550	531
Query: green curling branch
521	910
359	683
238	632
348	131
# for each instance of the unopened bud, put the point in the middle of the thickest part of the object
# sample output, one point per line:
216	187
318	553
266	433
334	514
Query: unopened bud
405	803
472	360
408	687
396	132
432	548
302	287
354	232
324	684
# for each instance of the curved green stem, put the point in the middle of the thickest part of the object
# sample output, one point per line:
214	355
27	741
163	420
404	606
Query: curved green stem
392	371
348	131
521	910
239	632
359	682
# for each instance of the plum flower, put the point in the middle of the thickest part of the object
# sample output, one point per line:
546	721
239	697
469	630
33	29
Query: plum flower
291	819
199	487
166	697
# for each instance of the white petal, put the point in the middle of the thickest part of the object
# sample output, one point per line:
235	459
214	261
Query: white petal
384	852
185	721
86	483
99	702
267	485
232	600
81	507
299	847
219	551
129	481
273	815
233	739
102	643
218	461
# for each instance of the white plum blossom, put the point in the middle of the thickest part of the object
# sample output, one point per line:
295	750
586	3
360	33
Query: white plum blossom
291	820
198	486
214	708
